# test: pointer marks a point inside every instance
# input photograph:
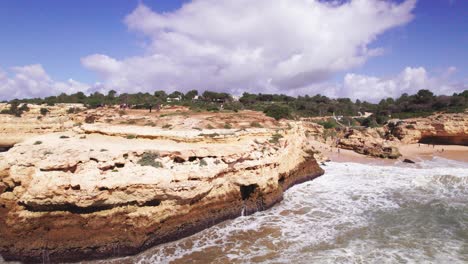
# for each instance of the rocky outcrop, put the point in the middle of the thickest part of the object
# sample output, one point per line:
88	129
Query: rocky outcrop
368	142
32	123
448	129
93	193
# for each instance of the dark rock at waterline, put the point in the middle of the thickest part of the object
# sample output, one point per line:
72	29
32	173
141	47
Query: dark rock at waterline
408	161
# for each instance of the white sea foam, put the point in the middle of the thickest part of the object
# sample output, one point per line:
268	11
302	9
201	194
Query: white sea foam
354	213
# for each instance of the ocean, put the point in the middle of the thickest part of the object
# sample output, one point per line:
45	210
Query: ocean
354	213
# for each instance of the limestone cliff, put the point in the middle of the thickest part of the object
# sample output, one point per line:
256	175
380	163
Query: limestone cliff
369	142
96	192
437	129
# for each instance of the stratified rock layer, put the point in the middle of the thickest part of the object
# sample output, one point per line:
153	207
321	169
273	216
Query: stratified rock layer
449	129
96	193
368	142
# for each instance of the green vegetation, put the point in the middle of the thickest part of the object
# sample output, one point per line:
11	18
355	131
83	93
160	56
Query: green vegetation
275	138
148	159
227	126
203	163
62	137
256	124
278	111
330	123
131	136
73	110
278	106
212	135
15	109
37	142
44	111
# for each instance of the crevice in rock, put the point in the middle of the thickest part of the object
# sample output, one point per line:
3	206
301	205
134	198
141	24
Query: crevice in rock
247	191
5	149
194	158
281	179
74	209
152	203
71	169
178	159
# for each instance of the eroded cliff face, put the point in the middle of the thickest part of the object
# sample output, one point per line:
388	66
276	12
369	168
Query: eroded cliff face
370	142
447	129
96	192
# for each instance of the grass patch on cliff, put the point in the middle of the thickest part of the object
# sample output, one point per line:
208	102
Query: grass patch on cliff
275	138
256	124
148	159
203	163
37	142
211	135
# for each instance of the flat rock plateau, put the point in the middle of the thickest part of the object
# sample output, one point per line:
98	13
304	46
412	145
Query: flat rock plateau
106	183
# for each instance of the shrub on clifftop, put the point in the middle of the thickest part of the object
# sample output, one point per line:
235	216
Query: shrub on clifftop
278	111
148	159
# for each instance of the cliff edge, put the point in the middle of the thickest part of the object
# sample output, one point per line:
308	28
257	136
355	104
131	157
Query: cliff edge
105	191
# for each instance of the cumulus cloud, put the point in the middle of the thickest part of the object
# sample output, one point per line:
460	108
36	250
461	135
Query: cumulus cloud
409	81
243	45
33	81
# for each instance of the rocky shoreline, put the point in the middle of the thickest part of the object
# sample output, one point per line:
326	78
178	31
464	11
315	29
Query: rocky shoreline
91	193
100	184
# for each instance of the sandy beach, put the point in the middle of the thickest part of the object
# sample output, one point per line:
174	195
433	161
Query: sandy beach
414	152
424	152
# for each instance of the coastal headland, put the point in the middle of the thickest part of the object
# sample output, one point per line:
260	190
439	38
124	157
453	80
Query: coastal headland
107	182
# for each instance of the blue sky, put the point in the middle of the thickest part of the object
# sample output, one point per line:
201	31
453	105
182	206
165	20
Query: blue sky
437	38
58	35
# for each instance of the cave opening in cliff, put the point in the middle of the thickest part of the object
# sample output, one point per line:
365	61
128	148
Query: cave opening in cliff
247	191
5	149
444	140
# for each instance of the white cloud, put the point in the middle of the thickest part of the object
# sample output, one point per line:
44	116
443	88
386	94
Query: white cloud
243	45
410	80
32	81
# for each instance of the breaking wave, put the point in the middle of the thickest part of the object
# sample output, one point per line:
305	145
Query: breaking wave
354	213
